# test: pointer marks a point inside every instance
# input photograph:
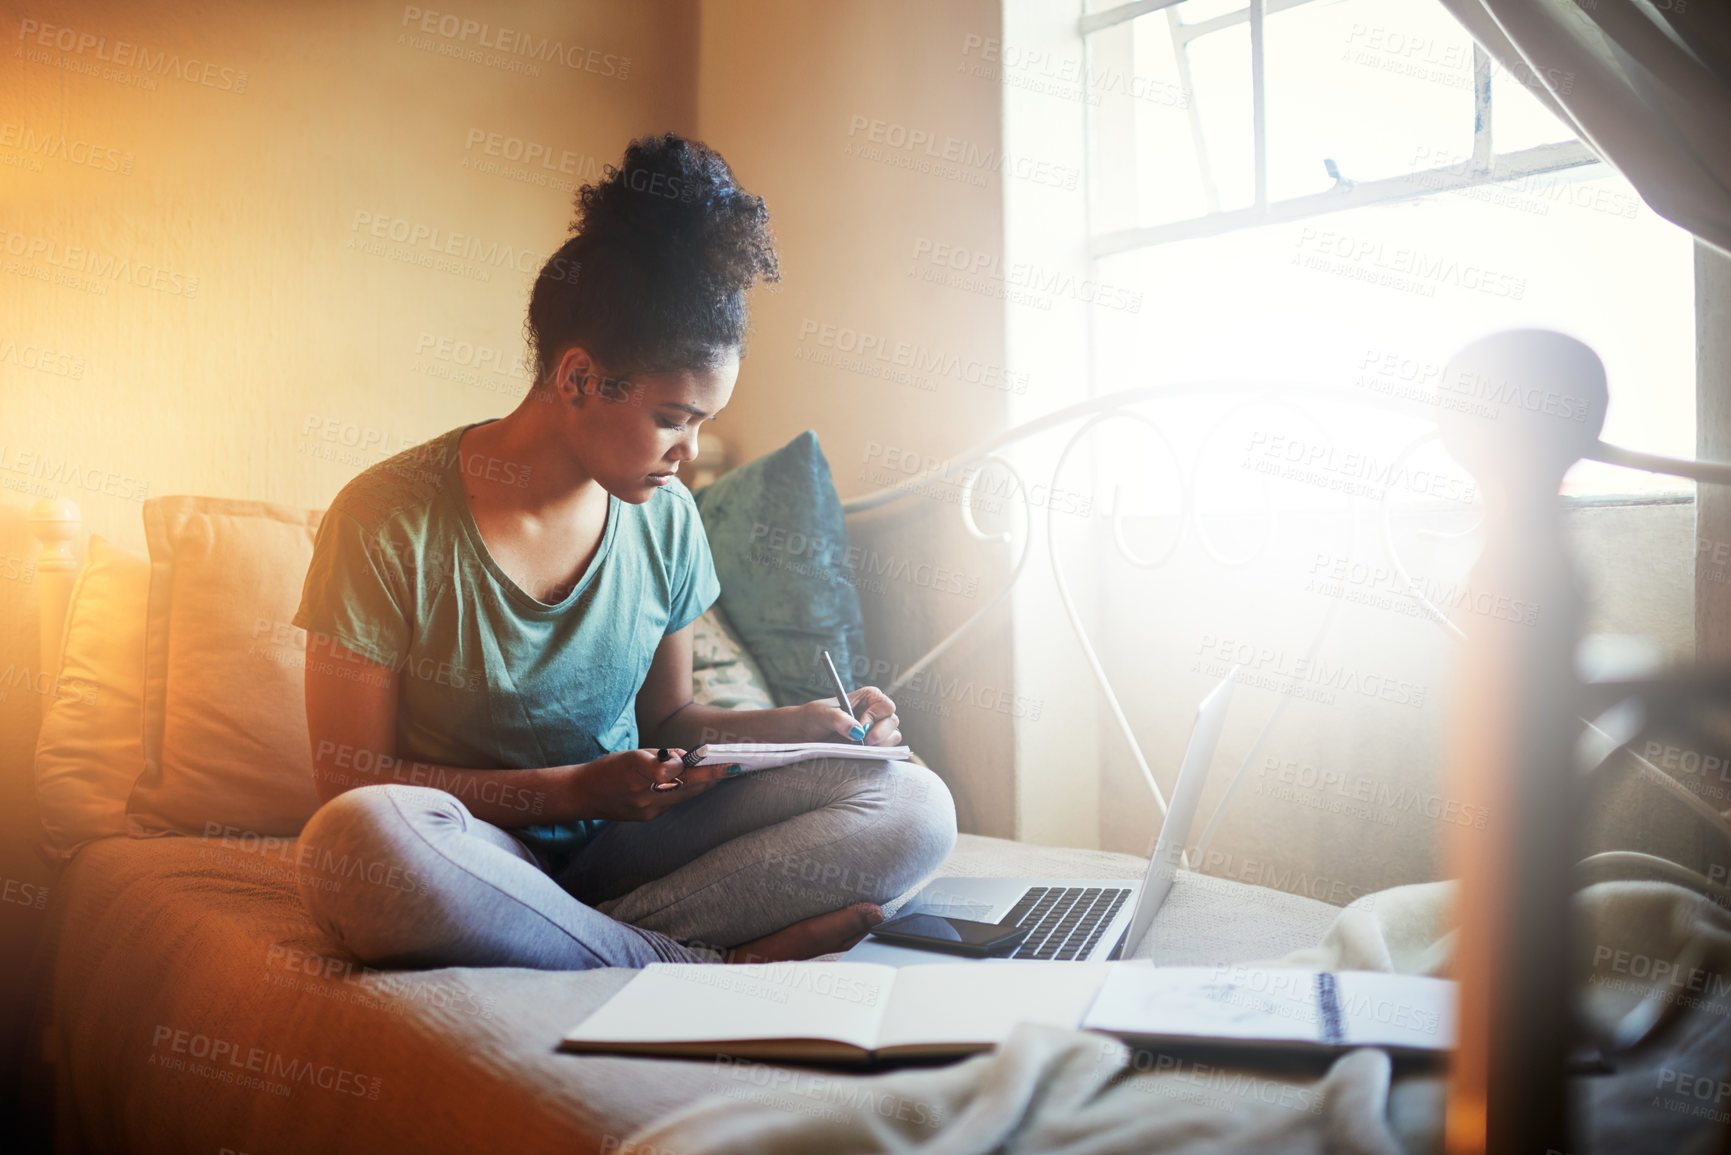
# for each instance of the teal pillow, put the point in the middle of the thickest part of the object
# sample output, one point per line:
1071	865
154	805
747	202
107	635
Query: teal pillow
780	545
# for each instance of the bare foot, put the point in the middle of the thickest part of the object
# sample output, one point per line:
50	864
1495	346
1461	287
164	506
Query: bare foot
819	934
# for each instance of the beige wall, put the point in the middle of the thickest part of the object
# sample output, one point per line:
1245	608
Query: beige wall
783	88
192	299
815	106
186	302
196	300
275	344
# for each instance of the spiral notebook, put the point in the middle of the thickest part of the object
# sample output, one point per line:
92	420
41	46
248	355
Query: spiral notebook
768	755
1276	1008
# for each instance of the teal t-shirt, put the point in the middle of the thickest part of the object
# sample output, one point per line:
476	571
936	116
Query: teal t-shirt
489	676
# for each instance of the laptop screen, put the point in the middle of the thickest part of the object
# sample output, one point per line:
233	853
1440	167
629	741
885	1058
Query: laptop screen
1186	798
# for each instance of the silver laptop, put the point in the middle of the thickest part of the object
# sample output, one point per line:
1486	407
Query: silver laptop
1077	919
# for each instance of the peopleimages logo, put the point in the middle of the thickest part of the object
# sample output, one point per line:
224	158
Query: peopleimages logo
481	357
54	146
333	865
1024	282
459	31
1302	779
804	1092
1448	62
943	479
1510	394
229	1062
56	363
1314	678
1400	266
1068	77
913	356
1382	586
529	152
1532	192
125	54
1348	471
952	150
416	234
68	474
94	263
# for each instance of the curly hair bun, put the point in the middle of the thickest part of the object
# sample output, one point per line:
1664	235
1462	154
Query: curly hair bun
664	247
675	200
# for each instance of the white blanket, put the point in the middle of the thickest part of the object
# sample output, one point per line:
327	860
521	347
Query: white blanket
1078	1093
1045	1090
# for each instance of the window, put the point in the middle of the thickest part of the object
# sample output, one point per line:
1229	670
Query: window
1345	191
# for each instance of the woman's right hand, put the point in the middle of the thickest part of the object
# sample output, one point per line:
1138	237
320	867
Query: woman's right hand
621	787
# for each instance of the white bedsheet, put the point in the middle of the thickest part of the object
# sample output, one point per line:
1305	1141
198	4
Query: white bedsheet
195	1009
1071	1093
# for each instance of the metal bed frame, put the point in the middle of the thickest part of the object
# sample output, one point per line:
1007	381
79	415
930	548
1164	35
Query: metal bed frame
1520	708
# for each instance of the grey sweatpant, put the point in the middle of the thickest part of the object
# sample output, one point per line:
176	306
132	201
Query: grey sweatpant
406	876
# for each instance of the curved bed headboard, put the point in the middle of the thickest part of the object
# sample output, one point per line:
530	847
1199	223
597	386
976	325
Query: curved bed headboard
1518	711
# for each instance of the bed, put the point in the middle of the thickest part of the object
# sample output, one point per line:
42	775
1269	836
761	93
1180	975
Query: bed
170	949
189	1005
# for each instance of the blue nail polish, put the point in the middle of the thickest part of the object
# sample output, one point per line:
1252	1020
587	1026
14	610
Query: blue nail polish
857	733
734	768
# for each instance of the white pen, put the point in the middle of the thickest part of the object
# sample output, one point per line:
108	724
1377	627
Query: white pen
841	692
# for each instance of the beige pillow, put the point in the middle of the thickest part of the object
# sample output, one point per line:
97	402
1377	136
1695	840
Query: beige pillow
225	729
725	675
182	703
90	750
723	672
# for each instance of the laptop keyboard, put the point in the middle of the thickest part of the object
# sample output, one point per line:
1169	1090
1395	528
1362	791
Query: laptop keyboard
1066	922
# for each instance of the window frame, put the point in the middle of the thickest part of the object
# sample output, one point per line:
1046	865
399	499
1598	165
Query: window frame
1486	166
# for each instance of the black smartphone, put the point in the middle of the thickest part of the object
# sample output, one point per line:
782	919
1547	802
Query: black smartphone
955	935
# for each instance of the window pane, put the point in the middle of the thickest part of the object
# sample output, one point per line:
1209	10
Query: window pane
1378	298
1520	119
1146	168
1382	87
1220	92
1196	11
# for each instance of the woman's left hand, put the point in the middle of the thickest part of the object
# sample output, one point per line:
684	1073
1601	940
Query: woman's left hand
873	708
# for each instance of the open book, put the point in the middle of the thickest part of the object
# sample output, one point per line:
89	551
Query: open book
1276	1009
834	1011
765	755
858	1012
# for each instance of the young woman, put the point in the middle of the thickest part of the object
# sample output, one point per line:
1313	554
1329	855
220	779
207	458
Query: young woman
498	687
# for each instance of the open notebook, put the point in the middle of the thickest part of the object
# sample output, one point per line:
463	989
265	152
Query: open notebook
1275	1009
836	1011
767	755
858	1012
